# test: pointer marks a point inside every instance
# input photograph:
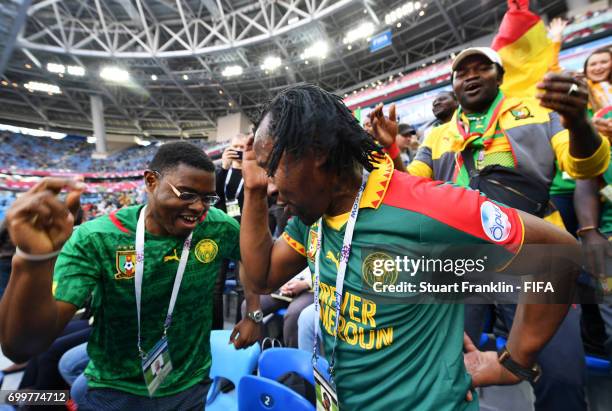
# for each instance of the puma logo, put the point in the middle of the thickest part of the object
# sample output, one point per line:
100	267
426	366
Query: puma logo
330	256
171	257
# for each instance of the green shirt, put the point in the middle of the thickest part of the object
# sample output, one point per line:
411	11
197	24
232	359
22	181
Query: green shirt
562	183
399	356
99	257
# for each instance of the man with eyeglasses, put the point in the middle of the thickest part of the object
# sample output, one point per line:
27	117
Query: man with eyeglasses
151	269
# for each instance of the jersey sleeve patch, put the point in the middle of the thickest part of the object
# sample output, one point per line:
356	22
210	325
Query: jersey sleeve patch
463	209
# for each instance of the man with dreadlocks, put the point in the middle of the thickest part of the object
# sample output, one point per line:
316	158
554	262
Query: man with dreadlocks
347	197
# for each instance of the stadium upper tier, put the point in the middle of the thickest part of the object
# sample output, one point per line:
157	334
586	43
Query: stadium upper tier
73	153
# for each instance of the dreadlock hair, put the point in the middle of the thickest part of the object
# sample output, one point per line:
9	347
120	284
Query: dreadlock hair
307	118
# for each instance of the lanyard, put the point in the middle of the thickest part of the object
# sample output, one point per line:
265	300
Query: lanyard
227	181
140	240
344	257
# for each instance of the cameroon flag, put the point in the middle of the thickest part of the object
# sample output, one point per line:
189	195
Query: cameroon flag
525	49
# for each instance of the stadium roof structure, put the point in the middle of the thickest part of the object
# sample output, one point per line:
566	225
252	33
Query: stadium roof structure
176	52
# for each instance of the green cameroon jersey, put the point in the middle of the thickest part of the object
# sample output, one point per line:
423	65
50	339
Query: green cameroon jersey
100	257
401	356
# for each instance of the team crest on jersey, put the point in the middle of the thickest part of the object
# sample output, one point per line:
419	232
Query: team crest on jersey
521	113
371	274
125	260
206	250
312	245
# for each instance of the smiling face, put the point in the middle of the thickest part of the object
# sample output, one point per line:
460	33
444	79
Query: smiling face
598	67
476	82
171	215
303	184
444	106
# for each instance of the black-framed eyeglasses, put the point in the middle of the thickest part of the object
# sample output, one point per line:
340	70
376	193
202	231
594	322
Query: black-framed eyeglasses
207	199
189	197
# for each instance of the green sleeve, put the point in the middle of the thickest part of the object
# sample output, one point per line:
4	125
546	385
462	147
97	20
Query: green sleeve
77	270
295	235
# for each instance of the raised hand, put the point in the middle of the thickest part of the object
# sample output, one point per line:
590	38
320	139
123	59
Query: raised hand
384	129
38	222
255	177
555	29
229	155
567	95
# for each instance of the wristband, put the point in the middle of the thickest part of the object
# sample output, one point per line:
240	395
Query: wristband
36	257
393	151
585	229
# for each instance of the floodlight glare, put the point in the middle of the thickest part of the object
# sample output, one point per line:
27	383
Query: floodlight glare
231	71
271	63
113	73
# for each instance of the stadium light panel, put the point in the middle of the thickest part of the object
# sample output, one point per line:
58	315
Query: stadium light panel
271	63
56	68
317	50
42	87
364	30
76	71
115	74
231	71
402	11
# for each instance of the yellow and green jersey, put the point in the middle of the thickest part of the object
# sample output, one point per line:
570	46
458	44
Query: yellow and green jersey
523	135
100	257
400	356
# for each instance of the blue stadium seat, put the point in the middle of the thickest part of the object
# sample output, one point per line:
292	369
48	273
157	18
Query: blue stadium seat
262	394
276	362
230	364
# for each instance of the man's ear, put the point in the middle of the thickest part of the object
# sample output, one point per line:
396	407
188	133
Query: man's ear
151	179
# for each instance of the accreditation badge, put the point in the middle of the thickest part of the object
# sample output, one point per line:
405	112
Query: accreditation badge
327	399
156	365
606	192
233	208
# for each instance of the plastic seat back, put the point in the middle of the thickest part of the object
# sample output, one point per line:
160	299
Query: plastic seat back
276	362
263	394
228	362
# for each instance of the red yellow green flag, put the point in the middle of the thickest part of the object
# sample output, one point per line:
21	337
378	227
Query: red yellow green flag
525	49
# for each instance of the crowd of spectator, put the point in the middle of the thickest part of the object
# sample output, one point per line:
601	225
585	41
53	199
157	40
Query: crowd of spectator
74	153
